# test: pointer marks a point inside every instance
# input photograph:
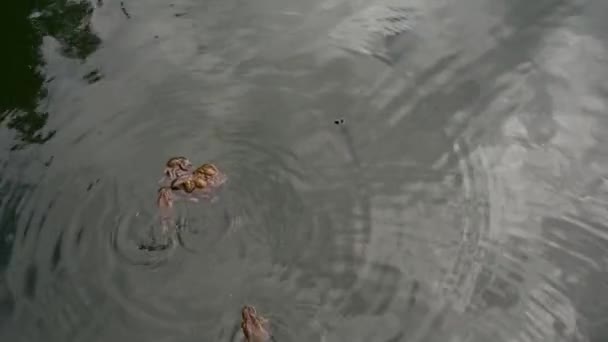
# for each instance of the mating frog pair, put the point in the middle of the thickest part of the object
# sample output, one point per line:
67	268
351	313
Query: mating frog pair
182	181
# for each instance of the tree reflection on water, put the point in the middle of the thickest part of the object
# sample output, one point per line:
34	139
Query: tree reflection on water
23	83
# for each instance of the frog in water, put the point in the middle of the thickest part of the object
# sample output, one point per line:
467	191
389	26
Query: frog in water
168	194
211	174
164	201
180	182
202	182
190	186
176	167
255	327
207	170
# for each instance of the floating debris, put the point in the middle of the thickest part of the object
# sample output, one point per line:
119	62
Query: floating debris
48	162
124	10
93	76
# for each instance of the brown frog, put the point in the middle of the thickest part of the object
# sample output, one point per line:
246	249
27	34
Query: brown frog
192	187
186	185
177	166
211	174
207	170
255	327
189	183
180	188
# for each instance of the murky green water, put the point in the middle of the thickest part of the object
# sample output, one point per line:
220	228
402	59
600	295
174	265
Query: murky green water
462	198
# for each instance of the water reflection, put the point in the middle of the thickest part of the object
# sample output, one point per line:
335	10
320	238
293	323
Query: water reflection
23	90
462	199
69	23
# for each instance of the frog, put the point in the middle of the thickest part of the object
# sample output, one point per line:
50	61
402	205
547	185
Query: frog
180	188
186	185
189	186
255	327
207	170
202	182
212	175
190	183
176	167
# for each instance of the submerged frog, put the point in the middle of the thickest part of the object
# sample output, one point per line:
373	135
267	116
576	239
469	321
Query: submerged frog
255	327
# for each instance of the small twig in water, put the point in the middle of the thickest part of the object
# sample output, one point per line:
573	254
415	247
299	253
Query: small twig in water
124	10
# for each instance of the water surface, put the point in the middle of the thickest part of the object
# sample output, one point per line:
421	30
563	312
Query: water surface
461	196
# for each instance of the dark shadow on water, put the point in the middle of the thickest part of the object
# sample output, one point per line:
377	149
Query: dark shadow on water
69	23
23	86
11	195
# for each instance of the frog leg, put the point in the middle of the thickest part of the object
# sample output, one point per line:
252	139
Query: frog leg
169	172
179	180
187	168
166	199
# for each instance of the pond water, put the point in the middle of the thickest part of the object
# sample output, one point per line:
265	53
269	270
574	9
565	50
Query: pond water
398	170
